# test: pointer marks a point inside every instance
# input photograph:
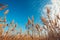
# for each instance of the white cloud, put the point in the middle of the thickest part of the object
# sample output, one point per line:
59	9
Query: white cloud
54	8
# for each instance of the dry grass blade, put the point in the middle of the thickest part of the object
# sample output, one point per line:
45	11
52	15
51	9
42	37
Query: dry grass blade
41	29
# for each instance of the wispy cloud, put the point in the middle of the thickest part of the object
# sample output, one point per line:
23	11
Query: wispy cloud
54	8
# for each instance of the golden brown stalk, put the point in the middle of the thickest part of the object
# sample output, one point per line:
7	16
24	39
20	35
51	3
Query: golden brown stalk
12	22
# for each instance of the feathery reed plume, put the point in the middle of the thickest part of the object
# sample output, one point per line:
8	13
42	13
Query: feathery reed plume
48	10
58	17
12	22
37	26
4	25
6	12
27	25
44	20
20	31
29	21
32	19
13	27
56	22
41	28
28	30
2	6
4	19
44	28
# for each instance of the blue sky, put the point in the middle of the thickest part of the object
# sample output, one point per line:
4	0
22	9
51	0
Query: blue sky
19	10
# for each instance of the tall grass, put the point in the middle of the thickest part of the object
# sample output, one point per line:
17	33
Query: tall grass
49	31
